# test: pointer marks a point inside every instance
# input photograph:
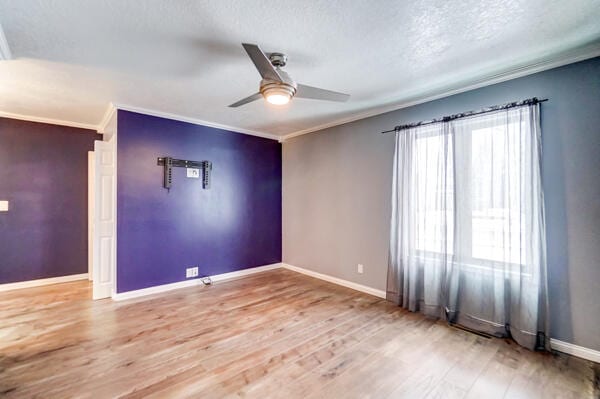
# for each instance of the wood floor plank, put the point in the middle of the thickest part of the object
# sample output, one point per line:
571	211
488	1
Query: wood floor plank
313	354
276	334
288	384
245	367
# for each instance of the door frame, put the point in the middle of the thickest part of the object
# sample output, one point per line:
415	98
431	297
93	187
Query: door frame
91	197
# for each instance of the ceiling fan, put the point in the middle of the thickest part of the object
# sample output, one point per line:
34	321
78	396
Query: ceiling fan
276	86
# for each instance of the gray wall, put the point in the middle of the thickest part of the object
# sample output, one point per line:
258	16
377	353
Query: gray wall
337	187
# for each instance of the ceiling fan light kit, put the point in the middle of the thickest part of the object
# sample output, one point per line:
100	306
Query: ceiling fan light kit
277	93
277	96
276	86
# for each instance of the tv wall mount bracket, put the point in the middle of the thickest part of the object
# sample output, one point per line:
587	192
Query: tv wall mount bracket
169	163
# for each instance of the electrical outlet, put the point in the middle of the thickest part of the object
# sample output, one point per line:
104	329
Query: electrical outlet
191	272
193	173
360	269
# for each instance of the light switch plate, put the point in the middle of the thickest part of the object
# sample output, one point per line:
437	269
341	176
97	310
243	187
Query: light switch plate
3	206
193	173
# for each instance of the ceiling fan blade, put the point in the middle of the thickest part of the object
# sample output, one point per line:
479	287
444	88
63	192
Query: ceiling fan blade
262	62
315	93
247	100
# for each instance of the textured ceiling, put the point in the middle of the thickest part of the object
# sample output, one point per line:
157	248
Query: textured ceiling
72	57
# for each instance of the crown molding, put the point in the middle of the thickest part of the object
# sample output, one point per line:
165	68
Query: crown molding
195	121
4	49
31	118
112	109
543	65
539	66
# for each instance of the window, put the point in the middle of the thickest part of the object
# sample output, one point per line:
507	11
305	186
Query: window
496	214
480	201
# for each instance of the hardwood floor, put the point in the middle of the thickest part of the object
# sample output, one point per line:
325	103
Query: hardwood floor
276	334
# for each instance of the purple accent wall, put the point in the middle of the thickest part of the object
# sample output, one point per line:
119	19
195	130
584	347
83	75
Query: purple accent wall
43	173
236	224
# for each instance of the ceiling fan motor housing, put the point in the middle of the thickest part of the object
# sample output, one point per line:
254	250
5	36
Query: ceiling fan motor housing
278	60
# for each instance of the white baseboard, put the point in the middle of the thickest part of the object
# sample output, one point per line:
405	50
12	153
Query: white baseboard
191	283
338	281
575	350
245	272
43	281
156	289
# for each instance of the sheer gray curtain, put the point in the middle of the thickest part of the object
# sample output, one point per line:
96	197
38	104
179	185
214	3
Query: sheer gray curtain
467	230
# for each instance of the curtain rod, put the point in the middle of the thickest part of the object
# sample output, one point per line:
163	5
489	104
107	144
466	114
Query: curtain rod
529	101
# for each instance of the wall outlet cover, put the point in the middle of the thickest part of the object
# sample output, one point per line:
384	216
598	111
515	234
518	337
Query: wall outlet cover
191	272
3	206
360	269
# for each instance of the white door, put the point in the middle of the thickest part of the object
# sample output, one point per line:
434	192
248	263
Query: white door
104	245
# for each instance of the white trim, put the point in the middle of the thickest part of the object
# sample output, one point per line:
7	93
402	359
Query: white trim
5	54
115	138
245	272
194	121
41	282
575	350
514	73
191	283
49	121
91	213
338	281
155	290
107	118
